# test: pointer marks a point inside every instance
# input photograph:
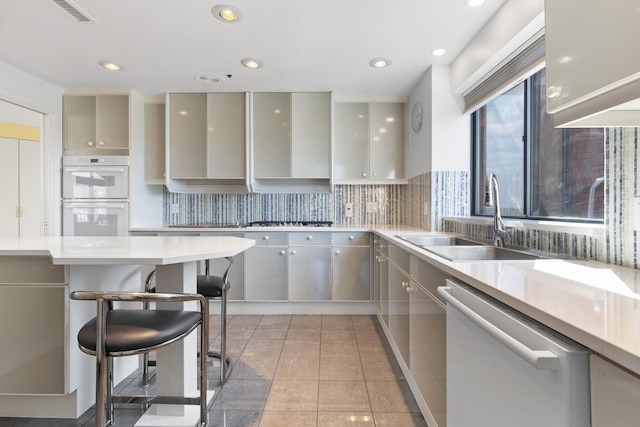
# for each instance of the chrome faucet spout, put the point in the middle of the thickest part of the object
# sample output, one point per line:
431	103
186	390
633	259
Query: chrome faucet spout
492	198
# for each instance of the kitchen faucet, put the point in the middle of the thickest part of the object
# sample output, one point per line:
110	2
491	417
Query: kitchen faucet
492	198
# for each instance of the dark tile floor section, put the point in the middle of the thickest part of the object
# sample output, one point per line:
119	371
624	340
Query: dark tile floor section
293	370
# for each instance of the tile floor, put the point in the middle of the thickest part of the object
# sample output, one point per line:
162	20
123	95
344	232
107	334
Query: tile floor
294	370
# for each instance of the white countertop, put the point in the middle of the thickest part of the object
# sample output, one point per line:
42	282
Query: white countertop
156	250
593	303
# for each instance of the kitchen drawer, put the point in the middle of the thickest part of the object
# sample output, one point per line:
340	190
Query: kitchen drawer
399	257
351	239
310	239
269	238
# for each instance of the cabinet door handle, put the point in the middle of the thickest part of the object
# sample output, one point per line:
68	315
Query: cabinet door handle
364	174
404	284
338	252
90	143
409	289
351	237
283	252
375	174
293	252
309	237
265	238
100	142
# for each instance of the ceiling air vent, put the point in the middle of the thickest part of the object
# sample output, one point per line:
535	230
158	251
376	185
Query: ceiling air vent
74	12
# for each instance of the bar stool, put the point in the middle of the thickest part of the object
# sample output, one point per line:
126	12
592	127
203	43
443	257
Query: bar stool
125	332
211	287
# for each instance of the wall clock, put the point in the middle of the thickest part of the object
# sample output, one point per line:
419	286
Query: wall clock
416	116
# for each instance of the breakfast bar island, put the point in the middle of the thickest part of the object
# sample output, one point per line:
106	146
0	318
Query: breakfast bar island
43	373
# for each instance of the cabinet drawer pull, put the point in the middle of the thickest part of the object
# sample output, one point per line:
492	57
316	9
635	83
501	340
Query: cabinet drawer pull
338	252
100	142
364	174
293	252
309	237
90	143
283	252
265	238
404	284
351	237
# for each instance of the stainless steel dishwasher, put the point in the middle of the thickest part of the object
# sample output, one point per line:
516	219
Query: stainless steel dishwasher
505	369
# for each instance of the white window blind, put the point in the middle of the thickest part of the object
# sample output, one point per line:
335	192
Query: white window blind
519	65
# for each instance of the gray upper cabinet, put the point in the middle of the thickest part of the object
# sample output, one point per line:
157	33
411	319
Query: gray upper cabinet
593	77
272	135
96	122
207	136
311	135
291	139
188	135
386	140
226	135
351	136
368	142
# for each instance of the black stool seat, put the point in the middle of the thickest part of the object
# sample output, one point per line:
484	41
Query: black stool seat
129	330
211	286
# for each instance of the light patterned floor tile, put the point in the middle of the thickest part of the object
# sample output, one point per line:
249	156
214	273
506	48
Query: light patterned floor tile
343	396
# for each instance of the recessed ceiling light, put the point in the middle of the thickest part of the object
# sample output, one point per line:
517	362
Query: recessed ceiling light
473	3
438	52
252	63
111	66
226	13
380	62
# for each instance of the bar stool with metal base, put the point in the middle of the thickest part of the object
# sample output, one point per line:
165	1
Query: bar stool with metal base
211	287
124	332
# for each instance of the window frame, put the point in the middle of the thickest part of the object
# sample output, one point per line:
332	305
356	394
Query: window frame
477	182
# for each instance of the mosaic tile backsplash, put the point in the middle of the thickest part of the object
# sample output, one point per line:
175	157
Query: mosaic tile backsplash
195	209
431	197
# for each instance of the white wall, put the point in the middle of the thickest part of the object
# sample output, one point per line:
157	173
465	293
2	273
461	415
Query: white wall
31	92
443	143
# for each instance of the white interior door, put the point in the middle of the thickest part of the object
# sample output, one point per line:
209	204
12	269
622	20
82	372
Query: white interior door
9	193
30	188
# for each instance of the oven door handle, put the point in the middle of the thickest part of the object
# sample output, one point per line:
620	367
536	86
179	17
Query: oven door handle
543	360
94	169
112	205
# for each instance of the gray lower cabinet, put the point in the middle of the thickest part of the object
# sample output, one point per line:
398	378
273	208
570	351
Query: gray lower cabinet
351	267
399	282
427	339
309	273
38	332
266	269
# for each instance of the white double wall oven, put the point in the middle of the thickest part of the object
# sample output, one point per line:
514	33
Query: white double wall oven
95	195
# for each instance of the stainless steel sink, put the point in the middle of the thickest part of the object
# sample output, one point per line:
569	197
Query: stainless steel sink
481	253
438	240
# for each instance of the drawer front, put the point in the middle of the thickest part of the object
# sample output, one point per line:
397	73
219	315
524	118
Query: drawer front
351	239
267	238
310	239
400	257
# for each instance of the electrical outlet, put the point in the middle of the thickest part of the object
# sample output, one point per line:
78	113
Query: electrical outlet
372	207
175	208
348	210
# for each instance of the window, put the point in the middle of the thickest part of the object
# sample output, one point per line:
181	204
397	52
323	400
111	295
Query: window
543	173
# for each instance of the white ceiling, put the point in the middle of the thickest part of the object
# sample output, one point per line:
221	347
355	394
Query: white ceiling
306	45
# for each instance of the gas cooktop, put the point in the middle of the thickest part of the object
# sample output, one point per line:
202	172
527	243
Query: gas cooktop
290	224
